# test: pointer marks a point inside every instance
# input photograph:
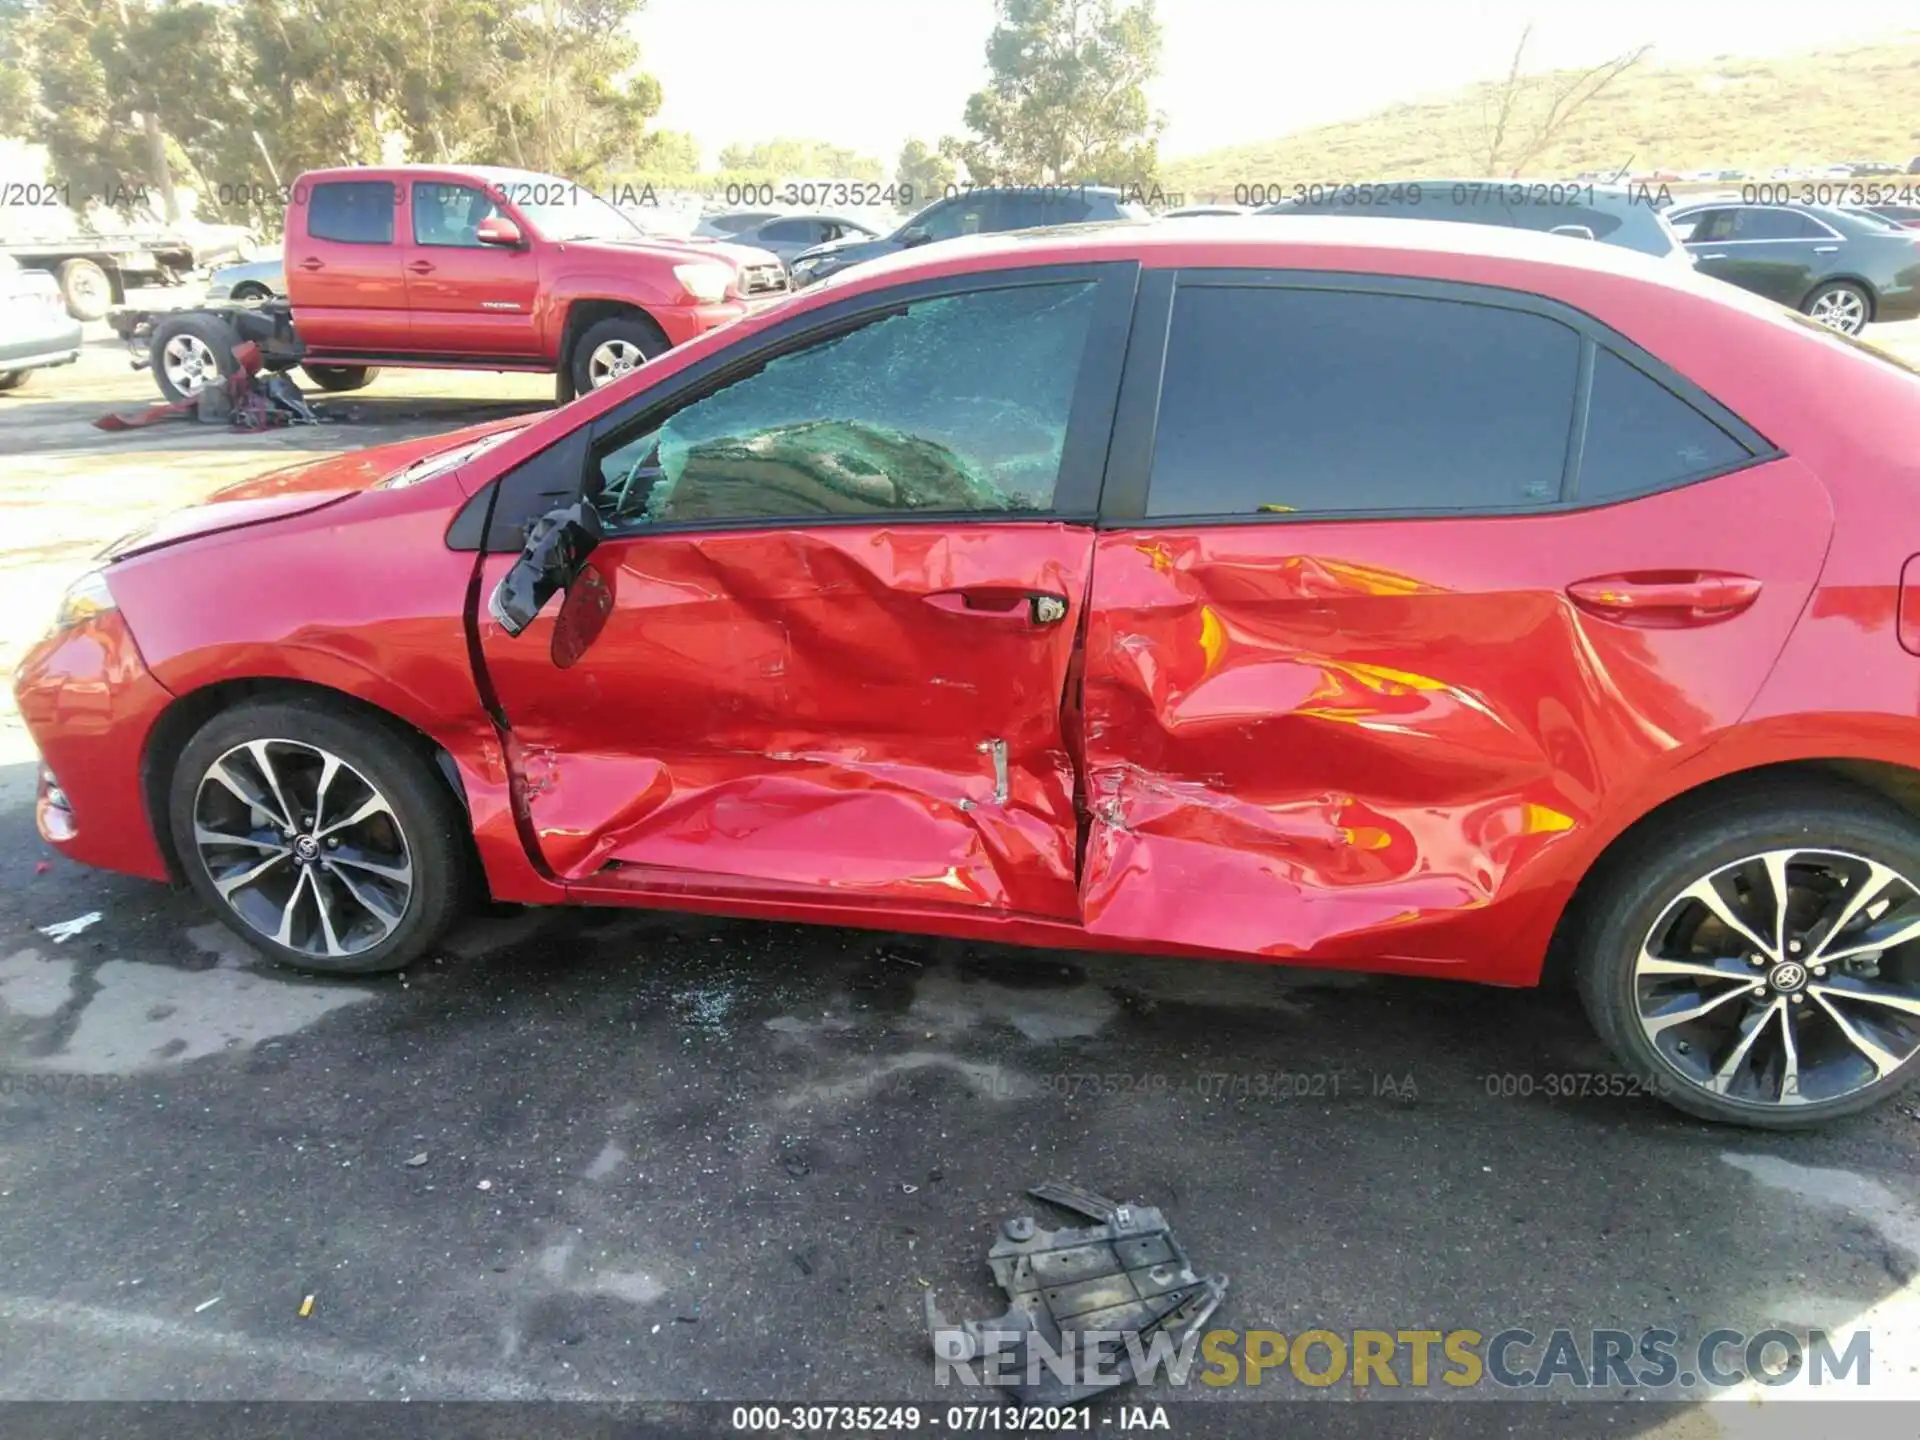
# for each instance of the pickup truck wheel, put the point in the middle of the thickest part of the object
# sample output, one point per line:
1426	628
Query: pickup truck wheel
336	379
86	289
189	352
249	293
614	348
13	379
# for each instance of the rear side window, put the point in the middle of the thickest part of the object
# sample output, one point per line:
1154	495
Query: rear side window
1641	436
1772	222
1277	400
352	212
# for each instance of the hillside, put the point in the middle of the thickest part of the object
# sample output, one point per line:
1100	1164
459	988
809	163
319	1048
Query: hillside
1742	113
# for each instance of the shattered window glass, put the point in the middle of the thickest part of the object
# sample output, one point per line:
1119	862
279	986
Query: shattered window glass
953	404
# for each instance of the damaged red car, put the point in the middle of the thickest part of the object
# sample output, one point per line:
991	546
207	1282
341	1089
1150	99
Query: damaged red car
1426	599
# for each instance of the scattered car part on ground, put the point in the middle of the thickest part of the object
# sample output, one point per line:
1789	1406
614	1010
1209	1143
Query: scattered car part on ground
1124	1279
1612	214
1844	268
248	398
979	211
36	332
1065	577
460	267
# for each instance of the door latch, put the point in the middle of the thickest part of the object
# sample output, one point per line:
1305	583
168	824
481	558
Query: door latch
1048	609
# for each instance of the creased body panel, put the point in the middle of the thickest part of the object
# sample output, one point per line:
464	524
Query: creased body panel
1327	740
811	708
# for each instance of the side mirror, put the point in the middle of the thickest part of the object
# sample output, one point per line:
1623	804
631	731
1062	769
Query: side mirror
558	544
915	235
498	230
1579	232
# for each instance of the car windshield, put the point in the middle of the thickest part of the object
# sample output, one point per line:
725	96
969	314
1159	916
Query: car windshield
561	210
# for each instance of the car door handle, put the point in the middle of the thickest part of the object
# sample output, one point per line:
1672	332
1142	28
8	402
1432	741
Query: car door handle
1032	607
1665	599
420	267
1825	249
1710	257
313	263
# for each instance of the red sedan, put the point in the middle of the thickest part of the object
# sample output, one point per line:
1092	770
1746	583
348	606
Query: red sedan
1422	598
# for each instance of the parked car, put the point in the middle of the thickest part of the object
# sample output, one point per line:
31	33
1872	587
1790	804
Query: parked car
248	283
36	330
789	235
1077	590
724	225
1845	269
467	267
1615	215
973	212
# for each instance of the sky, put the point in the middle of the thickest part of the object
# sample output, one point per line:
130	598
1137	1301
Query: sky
870	74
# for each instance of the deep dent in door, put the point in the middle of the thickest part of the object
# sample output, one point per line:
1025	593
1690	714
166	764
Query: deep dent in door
797	708
1323	740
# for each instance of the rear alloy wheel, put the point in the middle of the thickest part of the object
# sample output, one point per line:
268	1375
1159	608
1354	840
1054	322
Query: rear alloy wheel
338	379
613	349
1841	307
1767	971
321	838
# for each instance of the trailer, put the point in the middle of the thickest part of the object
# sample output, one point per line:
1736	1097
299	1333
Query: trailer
96	271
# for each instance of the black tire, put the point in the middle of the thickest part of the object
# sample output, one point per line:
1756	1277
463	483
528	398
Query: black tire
1635	896
86	287
1842	297
337	379
617	330
215	339
433	836
13	379
250	293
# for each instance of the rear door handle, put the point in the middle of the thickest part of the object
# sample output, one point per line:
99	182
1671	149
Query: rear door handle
1825	249
420	267
1666	599
1033	607
313	263
1710	257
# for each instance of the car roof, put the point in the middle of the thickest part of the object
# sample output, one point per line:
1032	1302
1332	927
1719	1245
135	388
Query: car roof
1264	241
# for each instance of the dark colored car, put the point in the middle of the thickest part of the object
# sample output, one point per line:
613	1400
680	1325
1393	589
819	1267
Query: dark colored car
788	235
974	212
1416	598
1845	269
1614	215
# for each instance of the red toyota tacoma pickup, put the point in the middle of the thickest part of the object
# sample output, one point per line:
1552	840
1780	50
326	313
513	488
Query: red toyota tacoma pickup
463	268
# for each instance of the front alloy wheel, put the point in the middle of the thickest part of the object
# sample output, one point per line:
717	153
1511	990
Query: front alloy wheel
613	360
327	838
303	848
